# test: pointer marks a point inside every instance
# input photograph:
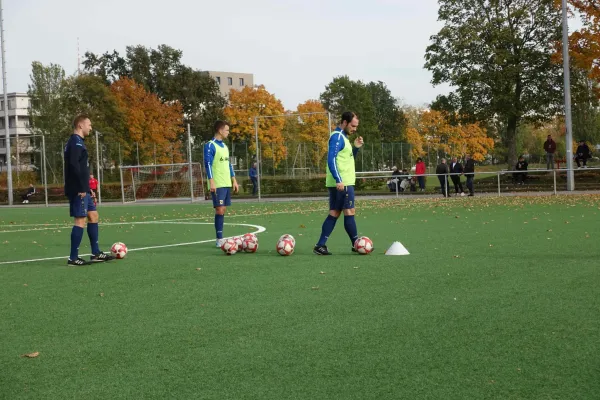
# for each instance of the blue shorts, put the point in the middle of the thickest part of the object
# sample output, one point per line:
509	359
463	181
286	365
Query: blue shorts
80	206
222	197
341	200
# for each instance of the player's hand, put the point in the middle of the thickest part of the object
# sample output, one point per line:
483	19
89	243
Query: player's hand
82	195
236	187
358	142
213	189
340	186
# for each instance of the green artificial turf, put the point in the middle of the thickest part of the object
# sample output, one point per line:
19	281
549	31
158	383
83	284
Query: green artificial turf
499	299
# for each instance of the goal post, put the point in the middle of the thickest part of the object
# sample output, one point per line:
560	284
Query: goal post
162	182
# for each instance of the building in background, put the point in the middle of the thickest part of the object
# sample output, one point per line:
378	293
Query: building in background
18	124
231	80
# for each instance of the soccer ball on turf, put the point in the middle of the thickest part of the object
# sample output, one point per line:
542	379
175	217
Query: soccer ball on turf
289	237
119	250
229	246
285	247
250	236
240	243
250	245
363	245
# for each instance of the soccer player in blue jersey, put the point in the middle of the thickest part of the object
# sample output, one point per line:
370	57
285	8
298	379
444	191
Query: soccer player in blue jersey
77	189
340	180
220	175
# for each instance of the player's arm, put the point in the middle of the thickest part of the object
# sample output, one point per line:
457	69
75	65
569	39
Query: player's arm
209	155
336	144
358	143
236	187
78	167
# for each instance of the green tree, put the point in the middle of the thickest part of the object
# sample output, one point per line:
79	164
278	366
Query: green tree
160	71
344	94
47	114
497	53
391	122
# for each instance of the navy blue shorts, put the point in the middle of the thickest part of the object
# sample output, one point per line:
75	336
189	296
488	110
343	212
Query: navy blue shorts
341	200
222	197
80	206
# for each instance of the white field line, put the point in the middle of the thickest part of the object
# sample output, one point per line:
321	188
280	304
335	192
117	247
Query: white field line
259	229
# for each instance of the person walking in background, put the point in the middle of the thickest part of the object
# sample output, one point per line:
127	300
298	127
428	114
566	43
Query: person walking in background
521	166
254	178
549	148
469	172
420	172
456	168
93	187
442	172
582	154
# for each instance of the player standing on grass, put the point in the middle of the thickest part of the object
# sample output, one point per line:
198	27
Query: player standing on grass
77	189
340	180
220	175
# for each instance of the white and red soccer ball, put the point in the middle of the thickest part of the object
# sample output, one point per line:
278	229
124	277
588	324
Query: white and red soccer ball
289	237
363	245
250	245
119	250
240	242
250	236
229	246
285	246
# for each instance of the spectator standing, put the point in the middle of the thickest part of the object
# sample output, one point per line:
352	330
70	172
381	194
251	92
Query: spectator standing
469	172
549	148
93	187
420	172
457	168
254	178
442	174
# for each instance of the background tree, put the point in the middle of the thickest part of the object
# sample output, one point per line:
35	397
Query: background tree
498	56
243	106
391	122
155	126
48	115
344	94
160	71
314	129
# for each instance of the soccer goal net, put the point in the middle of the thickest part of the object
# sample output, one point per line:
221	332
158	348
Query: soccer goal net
162	182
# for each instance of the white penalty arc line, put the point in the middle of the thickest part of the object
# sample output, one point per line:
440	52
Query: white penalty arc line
259	229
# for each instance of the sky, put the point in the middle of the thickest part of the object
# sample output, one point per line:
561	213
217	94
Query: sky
294	47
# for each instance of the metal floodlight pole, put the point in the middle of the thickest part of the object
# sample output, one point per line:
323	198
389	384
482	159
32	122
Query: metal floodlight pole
567	79
8	161
122	184
190	163
44	168
98	168
257	156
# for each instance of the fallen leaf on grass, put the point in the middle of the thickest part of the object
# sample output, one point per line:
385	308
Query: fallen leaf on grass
456	256
198	269
101	294
31	355
24	284
302	226
315	288
322	273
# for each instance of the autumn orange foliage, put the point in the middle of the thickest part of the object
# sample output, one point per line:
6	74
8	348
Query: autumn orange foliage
244	105
153	125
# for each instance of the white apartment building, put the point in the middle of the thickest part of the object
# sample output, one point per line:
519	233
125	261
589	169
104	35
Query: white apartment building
18	124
